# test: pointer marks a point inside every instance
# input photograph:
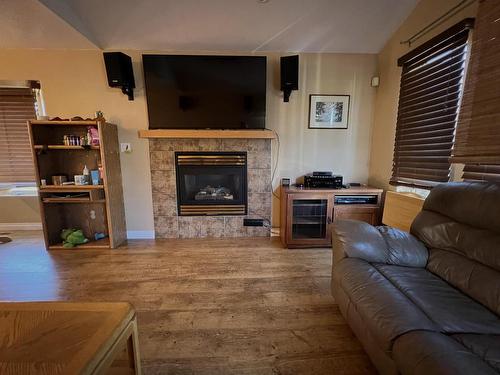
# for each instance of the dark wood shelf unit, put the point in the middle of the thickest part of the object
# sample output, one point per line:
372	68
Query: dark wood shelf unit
306	214
91	208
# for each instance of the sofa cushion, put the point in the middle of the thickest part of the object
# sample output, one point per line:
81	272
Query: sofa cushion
386	311
441	232
460	224
404	249
357	239
480	282
433	353
473	204
384	363
450	309
487	347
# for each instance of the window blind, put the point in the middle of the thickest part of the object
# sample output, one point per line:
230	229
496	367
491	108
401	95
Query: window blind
17	106
478	130
430	92
481	172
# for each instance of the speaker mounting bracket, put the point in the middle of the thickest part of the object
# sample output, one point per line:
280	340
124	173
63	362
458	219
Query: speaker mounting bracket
286	95
129	91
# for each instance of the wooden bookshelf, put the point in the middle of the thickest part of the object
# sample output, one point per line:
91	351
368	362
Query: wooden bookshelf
91	208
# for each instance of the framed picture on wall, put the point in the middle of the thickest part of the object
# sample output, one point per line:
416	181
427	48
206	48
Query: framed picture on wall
328	111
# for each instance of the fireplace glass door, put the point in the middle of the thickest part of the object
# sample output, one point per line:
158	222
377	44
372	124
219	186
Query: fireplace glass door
211	183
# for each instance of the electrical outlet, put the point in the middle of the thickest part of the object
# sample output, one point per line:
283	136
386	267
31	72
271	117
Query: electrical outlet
253	222
125	147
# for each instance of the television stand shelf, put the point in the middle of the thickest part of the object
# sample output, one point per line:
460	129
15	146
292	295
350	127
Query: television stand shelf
306	214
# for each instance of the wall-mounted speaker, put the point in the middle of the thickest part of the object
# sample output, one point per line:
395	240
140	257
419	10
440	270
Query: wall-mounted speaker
289	75
120	73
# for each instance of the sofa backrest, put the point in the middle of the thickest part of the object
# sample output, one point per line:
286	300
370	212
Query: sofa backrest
460	224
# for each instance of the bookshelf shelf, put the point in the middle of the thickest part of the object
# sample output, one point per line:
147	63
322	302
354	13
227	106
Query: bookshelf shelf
91	208
66	147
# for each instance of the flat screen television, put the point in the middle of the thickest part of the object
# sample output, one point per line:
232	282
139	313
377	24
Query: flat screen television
205	92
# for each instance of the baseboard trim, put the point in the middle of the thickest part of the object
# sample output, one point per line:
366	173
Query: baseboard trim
20	226
140	234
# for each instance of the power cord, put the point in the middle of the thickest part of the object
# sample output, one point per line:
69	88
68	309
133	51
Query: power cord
273	175
267	223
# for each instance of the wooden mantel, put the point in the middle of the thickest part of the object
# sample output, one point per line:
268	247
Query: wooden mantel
202	133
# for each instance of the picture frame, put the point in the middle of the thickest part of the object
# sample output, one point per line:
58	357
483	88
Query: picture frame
329	111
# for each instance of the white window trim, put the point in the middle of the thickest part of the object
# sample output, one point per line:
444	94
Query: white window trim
408	189
21	189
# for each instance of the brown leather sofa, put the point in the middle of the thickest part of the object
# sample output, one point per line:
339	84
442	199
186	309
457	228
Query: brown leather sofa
426	302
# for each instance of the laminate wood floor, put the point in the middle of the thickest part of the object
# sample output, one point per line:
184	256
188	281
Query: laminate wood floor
221	306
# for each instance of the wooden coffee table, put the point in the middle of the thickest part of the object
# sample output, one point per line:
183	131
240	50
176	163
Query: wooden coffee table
68	338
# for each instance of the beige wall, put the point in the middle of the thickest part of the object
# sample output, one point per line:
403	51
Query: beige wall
304	150
74	83
386	102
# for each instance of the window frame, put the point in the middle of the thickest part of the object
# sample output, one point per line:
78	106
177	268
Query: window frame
8	188
421	159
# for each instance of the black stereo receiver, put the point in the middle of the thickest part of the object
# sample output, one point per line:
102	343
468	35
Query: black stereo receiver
323	180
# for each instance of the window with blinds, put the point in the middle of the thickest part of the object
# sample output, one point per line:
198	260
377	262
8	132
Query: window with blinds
17	106
481	172
430	93
477	140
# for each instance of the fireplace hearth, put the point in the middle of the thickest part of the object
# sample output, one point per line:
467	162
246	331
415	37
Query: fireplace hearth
211	183
170	223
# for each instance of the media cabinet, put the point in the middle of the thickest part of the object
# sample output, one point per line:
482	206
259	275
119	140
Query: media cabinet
306	214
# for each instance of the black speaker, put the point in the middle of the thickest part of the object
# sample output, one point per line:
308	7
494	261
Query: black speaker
120	73
289	75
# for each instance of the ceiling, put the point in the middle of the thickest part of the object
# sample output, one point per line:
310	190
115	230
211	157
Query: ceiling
348	26
29	24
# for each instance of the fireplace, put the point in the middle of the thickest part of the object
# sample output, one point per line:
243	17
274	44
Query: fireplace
211	183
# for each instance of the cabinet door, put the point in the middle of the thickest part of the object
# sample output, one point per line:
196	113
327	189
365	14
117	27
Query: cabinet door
366	214
308	219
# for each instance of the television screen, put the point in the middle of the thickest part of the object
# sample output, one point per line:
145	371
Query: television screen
205	92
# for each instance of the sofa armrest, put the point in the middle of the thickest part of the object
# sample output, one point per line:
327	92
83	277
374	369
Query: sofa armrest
404	248
357	239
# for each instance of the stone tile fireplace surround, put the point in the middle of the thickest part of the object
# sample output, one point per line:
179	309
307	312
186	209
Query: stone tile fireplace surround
167	222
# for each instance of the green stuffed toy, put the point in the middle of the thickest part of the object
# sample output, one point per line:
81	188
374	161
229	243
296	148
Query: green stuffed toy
73	237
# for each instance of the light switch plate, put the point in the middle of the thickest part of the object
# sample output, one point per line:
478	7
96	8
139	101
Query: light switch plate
125	147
